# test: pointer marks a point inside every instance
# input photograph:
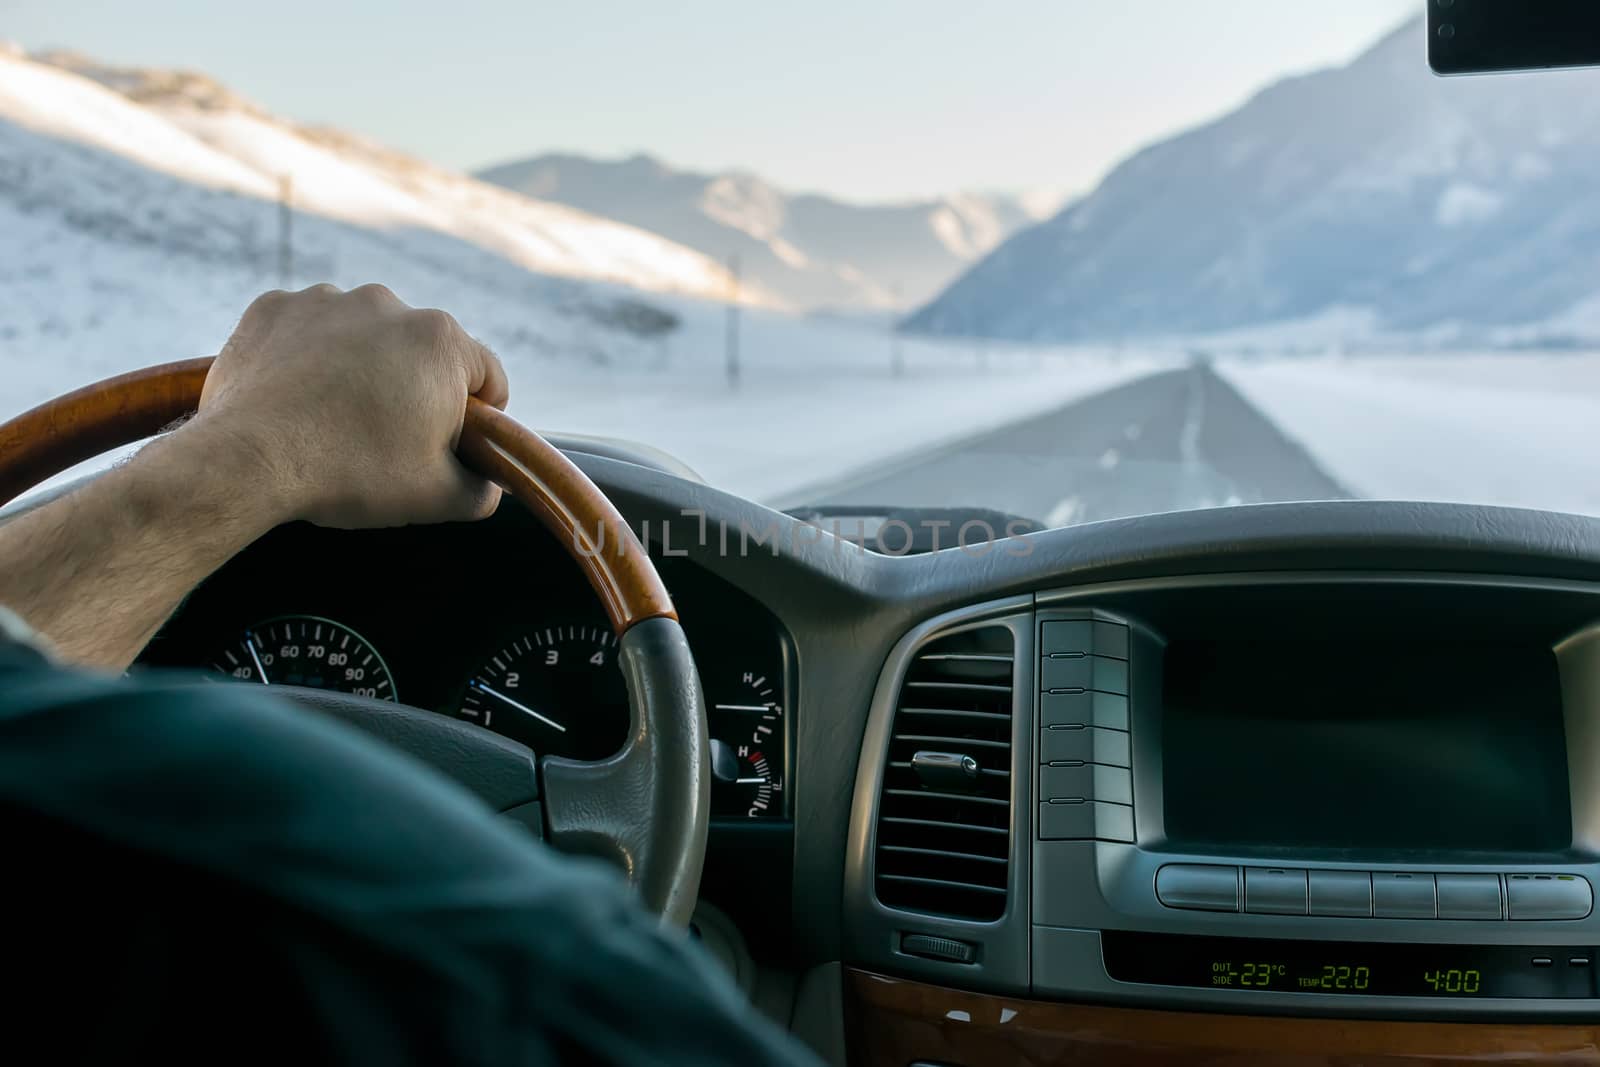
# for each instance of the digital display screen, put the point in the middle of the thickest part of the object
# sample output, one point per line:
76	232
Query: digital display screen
1399	745
1349	968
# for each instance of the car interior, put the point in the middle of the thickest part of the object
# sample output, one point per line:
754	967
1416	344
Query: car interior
1298	782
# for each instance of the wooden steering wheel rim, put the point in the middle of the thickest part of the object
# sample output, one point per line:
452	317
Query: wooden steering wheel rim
87	422
647	807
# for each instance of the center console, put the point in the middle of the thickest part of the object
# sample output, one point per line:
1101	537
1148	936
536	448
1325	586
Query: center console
1343	794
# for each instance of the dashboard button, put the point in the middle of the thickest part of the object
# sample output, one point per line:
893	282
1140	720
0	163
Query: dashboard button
1090	637
1085	820
1084	672
1071	635
1198	887
1274	891
1402	895
1084	709
1469	896
1548	896
1340	894
1111	639
1086	781
1083	744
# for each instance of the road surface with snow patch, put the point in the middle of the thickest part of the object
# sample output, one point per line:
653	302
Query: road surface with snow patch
1173	440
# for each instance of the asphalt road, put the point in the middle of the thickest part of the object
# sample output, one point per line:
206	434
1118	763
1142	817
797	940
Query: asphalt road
1173	441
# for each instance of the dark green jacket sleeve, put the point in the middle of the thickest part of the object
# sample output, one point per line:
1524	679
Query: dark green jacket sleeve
198	870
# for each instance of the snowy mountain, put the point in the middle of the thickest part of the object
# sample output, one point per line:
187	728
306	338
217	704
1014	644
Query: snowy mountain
333	175
810	252
138	221
1369	198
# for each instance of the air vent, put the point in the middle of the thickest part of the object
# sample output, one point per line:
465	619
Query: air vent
944	816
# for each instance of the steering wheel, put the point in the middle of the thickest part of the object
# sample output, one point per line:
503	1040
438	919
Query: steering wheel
645	808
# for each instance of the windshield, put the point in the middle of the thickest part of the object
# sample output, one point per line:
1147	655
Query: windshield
1065	261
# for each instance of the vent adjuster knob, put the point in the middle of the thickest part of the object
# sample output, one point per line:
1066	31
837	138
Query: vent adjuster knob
946	770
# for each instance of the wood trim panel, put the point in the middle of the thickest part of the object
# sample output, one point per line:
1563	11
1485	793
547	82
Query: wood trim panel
59	433
890	1022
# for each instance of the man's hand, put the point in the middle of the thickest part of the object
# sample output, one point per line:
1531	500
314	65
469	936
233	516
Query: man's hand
340	408
352	404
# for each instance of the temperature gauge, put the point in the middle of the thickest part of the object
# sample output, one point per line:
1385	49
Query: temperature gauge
747	749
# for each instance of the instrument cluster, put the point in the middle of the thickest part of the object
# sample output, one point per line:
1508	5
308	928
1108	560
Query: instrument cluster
508	639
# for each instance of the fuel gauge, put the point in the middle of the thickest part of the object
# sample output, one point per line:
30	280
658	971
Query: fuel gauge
747	750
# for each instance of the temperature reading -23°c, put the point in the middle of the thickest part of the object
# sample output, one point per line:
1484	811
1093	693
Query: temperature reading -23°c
1248	975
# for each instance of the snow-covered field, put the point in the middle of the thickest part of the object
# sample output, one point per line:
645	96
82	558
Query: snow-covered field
816	400
1521	430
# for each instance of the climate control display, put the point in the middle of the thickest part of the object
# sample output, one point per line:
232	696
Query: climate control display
1342	968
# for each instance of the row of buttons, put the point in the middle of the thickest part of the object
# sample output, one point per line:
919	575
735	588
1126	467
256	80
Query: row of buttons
1085	781
1374	894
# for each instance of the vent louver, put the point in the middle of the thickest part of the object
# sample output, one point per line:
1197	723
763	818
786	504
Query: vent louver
944	815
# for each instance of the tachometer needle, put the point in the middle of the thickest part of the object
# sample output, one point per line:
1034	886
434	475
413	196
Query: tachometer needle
250	643
520	707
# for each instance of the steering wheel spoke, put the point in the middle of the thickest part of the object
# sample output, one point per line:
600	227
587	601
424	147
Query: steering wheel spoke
647	807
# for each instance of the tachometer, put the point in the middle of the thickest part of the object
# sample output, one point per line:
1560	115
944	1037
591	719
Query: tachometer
558	690
310	651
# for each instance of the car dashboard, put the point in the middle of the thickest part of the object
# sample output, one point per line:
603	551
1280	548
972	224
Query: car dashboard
1260	771
491	624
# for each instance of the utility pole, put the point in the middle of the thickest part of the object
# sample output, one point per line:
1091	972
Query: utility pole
981	349
285	231
897	361
732	345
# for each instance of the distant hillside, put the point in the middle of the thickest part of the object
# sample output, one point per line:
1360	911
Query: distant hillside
809	252
1373	194
342	176
135	229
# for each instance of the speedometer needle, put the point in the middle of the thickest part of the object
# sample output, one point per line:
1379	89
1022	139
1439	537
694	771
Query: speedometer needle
520	707
250	643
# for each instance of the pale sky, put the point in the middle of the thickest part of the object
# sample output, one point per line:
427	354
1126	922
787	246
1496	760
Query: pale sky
866	99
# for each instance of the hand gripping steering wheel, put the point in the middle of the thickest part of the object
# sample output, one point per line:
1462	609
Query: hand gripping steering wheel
646	808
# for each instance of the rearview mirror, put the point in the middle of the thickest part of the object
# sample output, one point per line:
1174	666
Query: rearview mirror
1483	36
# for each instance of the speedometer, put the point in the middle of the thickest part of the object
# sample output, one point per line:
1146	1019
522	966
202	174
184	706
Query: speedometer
309	651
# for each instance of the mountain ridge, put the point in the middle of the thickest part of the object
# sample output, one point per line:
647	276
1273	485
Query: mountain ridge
136	234
345	176
1406	203
811	250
